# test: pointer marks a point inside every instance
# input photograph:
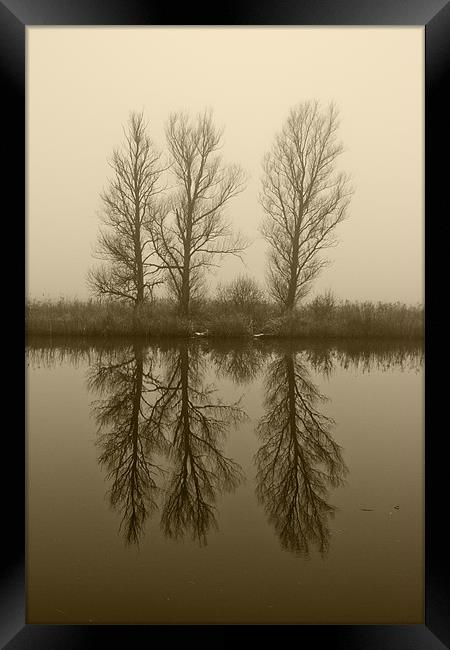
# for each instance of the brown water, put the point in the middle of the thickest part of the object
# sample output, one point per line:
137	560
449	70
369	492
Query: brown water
205	483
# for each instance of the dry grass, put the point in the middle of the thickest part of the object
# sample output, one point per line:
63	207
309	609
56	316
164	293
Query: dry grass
323	317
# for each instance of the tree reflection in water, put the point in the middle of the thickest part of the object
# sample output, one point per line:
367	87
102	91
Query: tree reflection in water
156	410
128	437
299	460
200	469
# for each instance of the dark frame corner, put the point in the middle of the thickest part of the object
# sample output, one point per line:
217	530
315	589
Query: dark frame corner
434	15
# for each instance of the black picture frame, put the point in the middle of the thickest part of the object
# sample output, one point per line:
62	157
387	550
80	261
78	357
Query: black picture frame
434	15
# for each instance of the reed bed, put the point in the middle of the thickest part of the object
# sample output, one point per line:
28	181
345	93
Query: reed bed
324	317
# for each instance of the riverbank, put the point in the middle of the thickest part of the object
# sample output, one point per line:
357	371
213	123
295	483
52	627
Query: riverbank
319	318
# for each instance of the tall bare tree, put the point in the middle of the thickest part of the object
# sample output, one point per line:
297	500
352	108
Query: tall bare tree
303	198
192	234
128	271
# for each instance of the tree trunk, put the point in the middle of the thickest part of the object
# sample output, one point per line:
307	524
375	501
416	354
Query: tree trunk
185	291
138	259
186	277
292	288
290	300
139	300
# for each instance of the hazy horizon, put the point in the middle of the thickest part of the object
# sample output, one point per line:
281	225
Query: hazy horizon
82	83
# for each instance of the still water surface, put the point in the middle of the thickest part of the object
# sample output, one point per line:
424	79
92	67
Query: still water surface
233	483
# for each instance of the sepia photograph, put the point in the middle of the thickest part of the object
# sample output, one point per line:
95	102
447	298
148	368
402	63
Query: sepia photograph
225	325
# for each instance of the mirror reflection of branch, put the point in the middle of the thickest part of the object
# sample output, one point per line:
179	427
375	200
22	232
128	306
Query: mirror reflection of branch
200	469
129	271
127	437
321	359
299	460
191	233
241	363
303	200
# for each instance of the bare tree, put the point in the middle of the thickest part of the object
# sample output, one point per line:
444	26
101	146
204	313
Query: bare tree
129	272
191	233
303	199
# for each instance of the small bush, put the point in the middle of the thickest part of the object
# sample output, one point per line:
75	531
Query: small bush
243	293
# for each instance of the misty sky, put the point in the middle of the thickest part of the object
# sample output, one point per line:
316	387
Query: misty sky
83	82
